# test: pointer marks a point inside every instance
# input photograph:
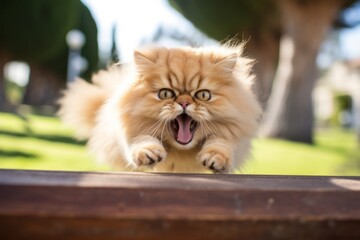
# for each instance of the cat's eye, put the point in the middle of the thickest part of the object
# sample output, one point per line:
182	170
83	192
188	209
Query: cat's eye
203	95
166	93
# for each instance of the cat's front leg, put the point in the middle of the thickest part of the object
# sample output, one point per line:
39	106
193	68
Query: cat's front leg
146	151
217	155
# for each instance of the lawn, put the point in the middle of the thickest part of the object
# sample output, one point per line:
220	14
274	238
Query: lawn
39	142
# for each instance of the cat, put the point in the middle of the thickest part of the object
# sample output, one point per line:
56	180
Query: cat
173	110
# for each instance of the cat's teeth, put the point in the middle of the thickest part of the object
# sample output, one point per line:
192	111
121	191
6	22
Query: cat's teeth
174	125
192	125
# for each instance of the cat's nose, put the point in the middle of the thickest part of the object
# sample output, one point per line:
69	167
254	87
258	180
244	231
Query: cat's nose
184	104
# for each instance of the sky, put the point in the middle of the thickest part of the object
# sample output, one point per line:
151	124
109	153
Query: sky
350	42
138	19
135	20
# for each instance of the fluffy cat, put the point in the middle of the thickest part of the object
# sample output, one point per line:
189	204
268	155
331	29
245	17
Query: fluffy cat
172	110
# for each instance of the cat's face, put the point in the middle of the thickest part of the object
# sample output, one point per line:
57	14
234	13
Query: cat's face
188	95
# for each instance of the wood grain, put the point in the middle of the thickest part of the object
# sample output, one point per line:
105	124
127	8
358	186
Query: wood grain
79	205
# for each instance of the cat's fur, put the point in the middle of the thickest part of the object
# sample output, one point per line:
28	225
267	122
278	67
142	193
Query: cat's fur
132	128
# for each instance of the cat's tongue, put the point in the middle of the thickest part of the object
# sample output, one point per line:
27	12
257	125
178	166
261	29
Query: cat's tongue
184	134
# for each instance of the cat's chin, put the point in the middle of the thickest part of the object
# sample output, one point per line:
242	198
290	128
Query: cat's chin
181	146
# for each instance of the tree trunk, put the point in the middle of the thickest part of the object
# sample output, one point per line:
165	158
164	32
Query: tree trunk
290	111
264	48
44	87
4	103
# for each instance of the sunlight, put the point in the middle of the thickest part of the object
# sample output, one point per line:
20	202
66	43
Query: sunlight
135	20
17	72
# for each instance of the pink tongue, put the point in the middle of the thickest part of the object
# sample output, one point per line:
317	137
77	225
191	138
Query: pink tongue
184	134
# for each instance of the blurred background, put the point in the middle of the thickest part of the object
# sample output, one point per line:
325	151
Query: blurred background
307	64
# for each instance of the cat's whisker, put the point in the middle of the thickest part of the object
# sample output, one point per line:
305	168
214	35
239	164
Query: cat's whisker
162	131
204	122
203	131
151	128
207	120
208	129
168	129
204	128
212	130
154	133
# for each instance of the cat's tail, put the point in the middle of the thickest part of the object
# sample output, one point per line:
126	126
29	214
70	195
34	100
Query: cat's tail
81	102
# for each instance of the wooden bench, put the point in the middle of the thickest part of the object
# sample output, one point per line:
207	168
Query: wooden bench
81	205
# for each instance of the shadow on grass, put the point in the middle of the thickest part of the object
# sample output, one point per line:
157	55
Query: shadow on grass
59	138
13	154
51	138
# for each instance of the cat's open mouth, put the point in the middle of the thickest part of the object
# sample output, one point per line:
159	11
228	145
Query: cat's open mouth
183	128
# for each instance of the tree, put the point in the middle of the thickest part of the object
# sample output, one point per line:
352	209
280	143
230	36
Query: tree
90	50
166	34
35	33
48	77
114	54
256	22
32	31
3	98
305	24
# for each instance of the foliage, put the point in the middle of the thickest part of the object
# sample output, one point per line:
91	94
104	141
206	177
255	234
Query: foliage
238	17
114	49
90	50
44	143
48	61
349	17
342	103
86	24
226	19
34	30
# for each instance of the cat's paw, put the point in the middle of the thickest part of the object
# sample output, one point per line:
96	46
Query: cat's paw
215	160
148	155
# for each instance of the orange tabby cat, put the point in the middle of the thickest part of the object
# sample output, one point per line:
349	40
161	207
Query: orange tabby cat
175	110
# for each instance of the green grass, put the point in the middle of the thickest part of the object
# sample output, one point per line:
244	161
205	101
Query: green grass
44	143
41	143
335	153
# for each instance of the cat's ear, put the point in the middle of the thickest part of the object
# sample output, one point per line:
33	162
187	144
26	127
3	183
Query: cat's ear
144	60
227	63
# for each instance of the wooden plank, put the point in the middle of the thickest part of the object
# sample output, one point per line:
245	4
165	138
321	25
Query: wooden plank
78	205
